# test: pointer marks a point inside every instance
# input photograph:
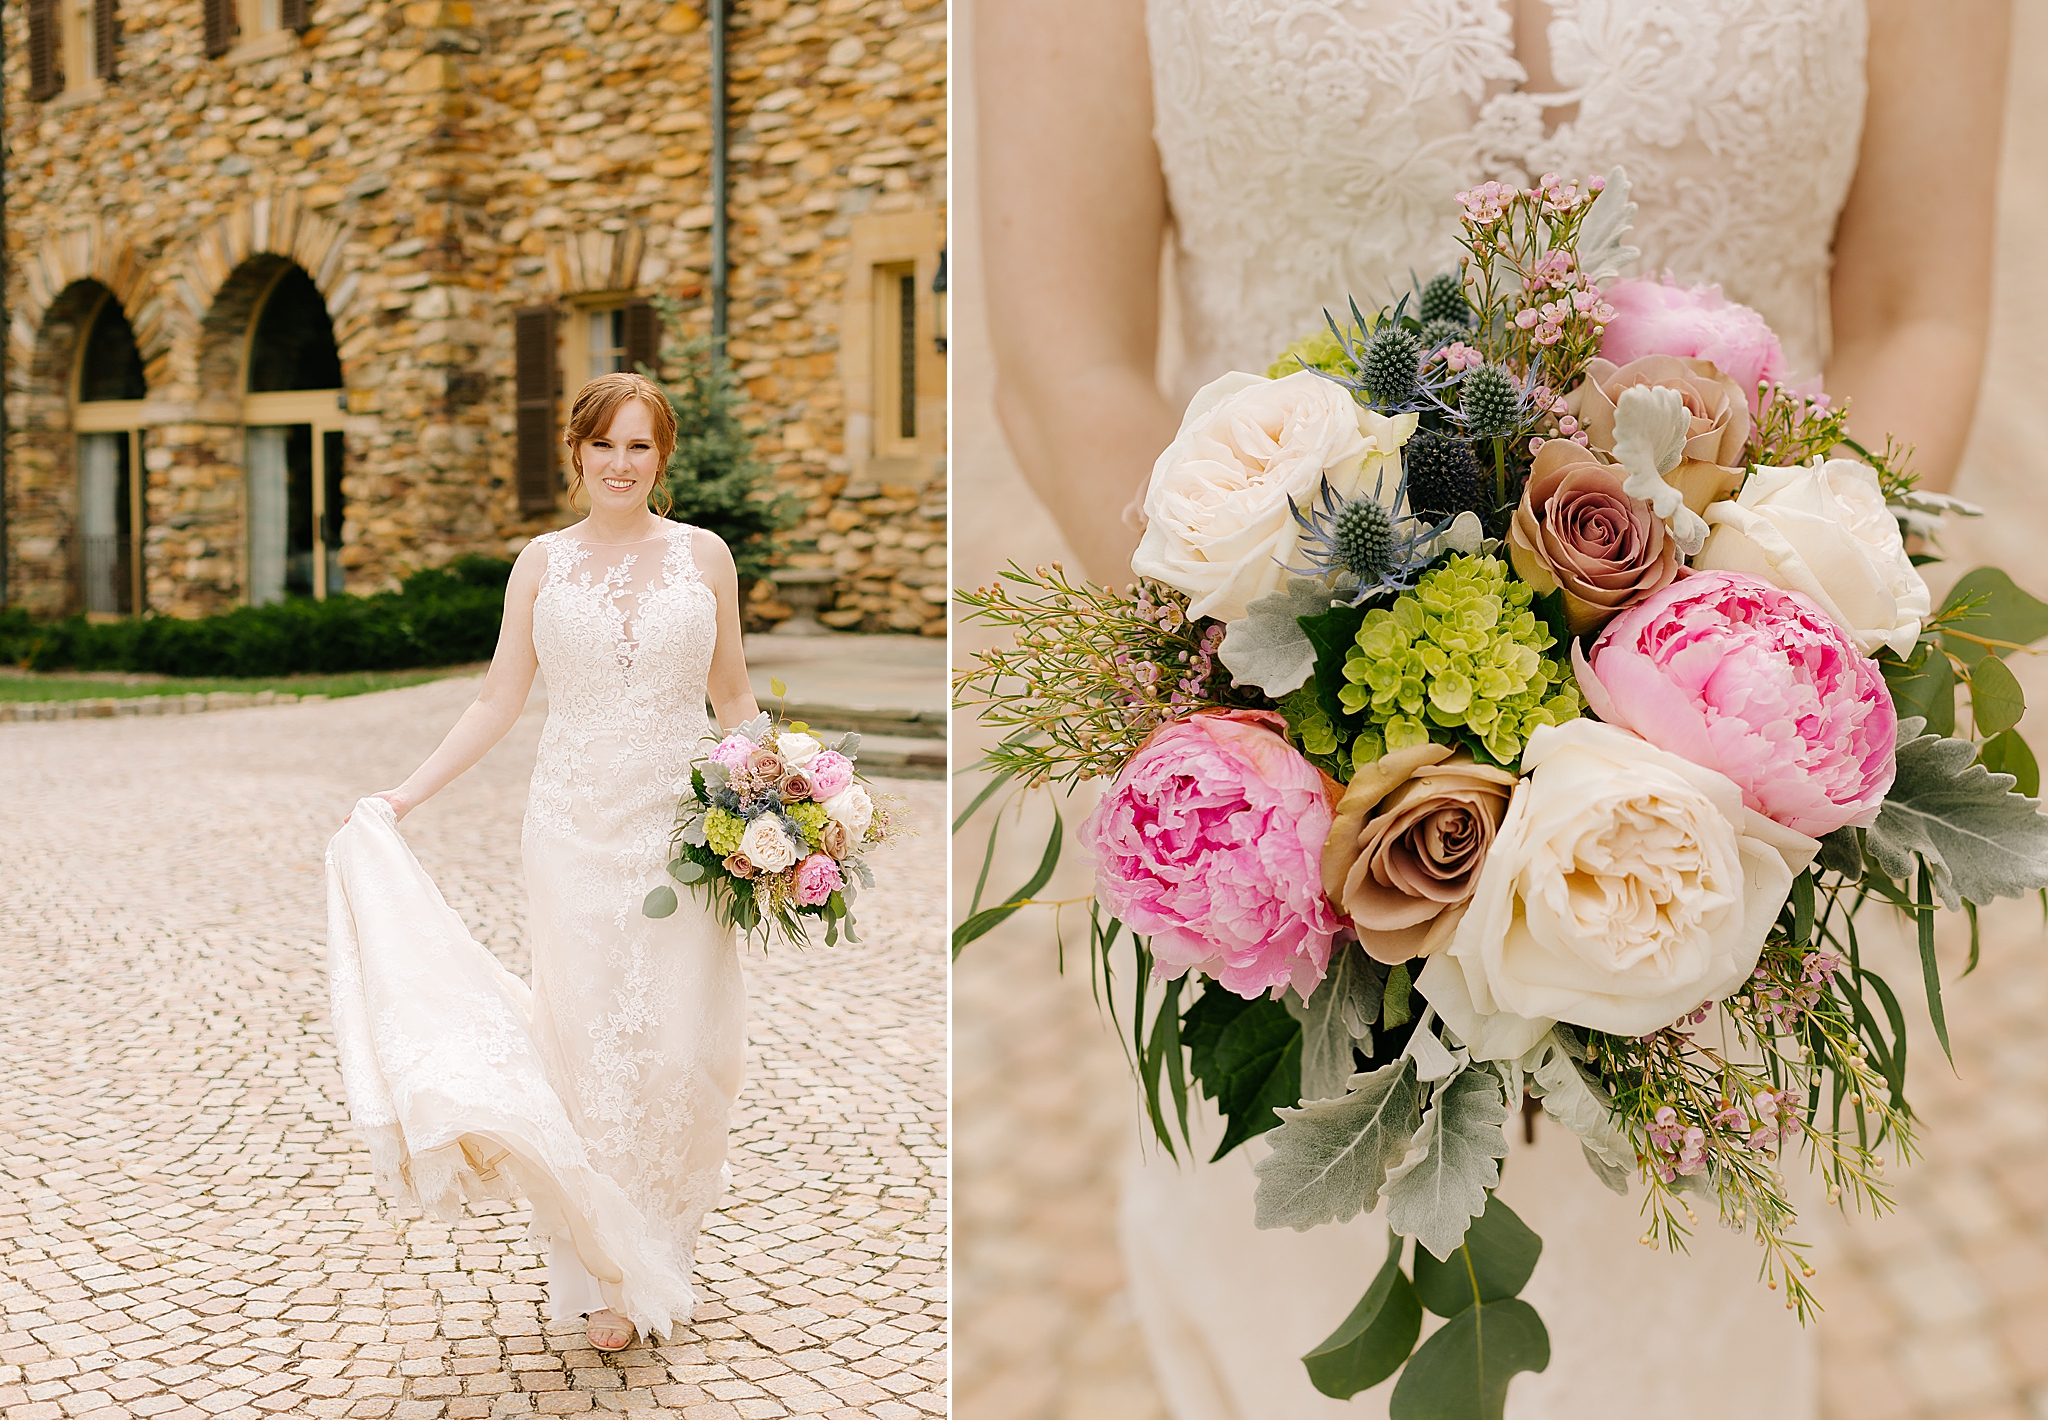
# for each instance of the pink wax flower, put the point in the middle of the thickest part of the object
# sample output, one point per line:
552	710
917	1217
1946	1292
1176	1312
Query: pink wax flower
731	752
830	772
1210	842
1759	684
817	878
1692	322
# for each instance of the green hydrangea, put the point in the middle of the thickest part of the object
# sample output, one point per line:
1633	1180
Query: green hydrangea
723	831
1319	351
1462	652
810	817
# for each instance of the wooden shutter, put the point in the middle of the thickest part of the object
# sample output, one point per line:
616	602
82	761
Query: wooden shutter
533	370
106	35
643	337
222	25
292	15
45	69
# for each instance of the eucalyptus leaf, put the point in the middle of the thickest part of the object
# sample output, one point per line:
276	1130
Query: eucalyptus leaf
1331	1156
1452	1164
1923	685
2002	613
1266	647
1996	700
1462	1371
660	903
1492	1264
686	870
1374	1339
2006	753
1981	840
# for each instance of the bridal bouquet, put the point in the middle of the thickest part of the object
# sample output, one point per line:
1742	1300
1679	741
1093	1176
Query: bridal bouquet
774	831
1517	679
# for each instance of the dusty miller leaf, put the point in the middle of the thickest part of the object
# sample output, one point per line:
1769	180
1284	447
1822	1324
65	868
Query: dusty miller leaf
1602	252
1453	1162
1330	1156
1981	840
1339	1011
1266	647
1573	1102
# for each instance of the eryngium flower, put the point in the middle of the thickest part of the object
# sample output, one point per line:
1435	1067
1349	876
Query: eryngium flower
1458	659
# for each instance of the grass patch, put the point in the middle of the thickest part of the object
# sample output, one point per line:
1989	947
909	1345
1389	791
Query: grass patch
116	686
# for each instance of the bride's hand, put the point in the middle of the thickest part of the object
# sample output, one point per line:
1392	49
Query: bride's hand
399	807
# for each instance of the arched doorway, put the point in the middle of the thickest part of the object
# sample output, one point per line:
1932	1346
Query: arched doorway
106	420
292	412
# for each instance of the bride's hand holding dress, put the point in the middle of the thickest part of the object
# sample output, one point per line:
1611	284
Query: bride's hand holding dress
1828	163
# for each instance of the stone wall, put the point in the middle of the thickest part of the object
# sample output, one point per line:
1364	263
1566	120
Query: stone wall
434	167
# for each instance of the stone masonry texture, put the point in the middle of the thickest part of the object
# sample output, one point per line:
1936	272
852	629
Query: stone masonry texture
434	167
188	1226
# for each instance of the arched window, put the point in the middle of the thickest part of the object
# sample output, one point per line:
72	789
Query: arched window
293	411
106	417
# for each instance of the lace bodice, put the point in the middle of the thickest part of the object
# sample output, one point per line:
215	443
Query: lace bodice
624	635
1311	148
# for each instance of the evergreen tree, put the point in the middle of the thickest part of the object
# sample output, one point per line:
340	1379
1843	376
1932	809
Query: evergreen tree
713	476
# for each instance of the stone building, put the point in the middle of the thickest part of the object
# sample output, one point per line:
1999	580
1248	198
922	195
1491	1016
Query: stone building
298	291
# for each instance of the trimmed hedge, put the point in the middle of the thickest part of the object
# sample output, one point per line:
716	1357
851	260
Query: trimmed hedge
443	616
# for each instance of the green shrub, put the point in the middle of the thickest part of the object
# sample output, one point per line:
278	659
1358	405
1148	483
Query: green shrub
443	616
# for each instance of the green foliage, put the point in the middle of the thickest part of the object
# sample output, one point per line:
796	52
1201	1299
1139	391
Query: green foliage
443	616
1331	1156
1321	350
1375	1339
713	477
2006	753
1247	1056
1337	1017
1986	613
1979	839
1452	1164
1462	1371
1266	647
1923	686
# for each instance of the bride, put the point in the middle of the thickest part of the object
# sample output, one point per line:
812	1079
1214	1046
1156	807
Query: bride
1829	163
637	1022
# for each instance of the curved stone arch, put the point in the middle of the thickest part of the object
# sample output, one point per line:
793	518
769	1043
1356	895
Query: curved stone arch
89	252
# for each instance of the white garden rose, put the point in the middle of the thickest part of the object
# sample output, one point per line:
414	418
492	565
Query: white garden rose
766	844
1217	522
852	807
1823	529
796	748
1624	888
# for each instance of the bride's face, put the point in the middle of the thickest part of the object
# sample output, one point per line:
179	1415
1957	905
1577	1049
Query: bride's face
621	464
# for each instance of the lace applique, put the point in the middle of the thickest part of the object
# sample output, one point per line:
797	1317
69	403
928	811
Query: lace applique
1311	148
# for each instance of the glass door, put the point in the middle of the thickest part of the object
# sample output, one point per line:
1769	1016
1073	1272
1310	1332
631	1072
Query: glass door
110	521
293	469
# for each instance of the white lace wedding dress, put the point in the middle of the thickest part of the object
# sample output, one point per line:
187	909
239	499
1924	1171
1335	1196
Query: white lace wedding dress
1310	149
602	1095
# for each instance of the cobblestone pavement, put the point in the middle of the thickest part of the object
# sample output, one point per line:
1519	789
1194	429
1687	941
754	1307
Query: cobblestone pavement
1939	1312
187	1224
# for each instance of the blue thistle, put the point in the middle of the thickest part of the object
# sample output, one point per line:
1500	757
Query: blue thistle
1381	546
1492	403
1391	377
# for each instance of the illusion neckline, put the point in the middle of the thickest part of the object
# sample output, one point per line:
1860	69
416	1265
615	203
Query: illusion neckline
662	536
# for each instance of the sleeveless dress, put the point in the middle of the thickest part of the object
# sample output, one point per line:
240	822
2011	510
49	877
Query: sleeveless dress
601	1094
1311	149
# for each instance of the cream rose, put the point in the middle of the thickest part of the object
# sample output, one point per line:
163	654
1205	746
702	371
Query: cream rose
798	749
1217	522
852	807
1624	887
766	844
1824	530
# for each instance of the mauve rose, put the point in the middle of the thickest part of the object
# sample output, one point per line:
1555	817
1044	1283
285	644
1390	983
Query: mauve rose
1732	674
1576	529
795	787
739	865
766	766
834	839
1712	466
1210	843
1406	847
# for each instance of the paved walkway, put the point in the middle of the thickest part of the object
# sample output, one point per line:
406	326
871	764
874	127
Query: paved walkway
187	1224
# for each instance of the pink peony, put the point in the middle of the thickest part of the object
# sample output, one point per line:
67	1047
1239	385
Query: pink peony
830	772
1211	843
732	751
1692	322
817	878
1759	684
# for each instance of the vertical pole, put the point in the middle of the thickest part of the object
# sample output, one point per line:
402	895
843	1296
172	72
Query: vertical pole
718	182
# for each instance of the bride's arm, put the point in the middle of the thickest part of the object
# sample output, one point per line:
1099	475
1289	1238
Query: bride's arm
1912	280
1073	212
732	698
498	704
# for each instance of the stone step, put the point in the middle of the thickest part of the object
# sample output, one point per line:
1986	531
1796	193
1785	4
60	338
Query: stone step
872	719
901	757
